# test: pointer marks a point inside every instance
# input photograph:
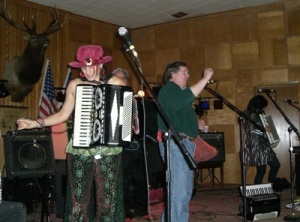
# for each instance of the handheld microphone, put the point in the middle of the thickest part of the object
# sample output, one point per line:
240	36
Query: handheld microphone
124	34
212	81
265	90
290	101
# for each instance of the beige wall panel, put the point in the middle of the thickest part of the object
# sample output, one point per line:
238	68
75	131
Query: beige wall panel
293	21
242	100
271	25
195	57
280	52
223	75
294	50
245	55
164	57
245	79
243	27
266	53
185	38
166	36
273	52
220	116
250	174
196	32
215	29
144	38
232	169
294	74
219	56
226	88
273	76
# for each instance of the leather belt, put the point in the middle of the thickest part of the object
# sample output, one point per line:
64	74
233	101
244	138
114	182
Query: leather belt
183	136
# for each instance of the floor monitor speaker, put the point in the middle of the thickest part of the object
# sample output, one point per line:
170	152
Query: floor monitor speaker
29	153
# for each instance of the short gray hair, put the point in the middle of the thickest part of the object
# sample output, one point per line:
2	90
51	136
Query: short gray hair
124	71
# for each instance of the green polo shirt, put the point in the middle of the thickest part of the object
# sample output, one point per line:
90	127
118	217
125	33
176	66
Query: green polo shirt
178	105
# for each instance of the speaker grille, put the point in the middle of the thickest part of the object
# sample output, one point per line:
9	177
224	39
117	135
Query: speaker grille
29	153
12	212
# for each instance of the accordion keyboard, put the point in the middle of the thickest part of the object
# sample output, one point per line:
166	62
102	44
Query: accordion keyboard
258	189
83	116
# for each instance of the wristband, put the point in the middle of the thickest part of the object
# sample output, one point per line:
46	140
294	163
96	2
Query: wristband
41	122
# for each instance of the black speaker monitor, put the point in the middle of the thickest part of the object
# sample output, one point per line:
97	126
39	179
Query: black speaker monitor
29	153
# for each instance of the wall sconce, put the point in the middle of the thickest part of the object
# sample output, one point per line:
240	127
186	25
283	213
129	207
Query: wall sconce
3	91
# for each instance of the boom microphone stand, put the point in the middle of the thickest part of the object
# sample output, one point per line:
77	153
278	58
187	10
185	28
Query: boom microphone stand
296	107
243	116
292	217
130	49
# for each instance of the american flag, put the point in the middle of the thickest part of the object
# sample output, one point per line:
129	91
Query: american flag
48	103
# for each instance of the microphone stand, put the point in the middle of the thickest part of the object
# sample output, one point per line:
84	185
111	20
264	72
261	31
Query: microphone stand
294	106
243	116
291	128
172	132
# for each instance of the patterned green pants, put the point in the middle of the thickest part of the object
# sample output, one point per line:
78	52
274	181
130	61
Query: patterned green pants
94	189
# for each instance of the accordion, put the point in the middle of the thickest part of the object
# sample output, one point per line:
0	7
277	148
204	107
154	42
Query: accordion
261	202
103	115
273	136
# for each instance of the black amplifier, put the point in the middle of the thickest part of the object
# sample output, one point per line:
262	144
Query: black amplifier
263	206
12	212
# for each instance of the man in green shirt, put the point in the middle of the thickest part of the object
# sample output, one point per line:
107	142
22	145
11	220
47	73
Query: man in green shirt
176	99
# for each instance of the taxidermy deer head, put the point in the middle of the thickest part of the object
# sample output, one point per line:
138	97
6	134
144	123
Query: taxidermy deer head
23	72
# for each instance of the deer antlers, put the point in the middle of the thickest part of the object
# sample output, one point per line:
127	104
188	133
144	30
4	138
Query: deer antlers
54	26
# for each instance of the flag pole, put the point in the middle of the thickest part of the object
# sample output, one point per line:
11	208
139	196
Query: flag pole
67	79
45	72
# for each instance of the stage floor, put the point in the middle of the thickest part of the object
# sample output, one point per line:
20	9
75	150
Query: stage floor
218	204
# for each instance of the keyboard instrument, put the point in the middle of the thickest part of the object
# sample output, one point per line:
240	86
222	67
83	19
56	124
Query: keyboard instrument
262	202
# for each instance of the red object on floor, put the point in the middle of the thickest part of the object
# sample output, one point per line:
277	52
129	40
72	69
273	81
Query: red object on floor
156	195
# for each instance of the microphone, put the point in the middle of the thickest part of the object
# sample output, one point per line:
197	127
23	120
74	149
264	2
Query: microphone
290	101
124	34
265	90
212	81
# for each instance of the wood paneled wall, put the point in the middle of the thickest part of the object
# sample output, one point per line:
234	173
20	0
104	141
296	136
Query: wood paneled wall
246	48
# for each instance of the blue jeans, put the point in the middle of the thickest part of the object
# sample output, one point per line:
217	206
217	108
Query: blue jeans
181	183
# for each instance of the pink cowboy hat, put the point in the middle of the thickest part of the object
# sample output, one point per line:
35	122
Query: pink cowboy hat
89	55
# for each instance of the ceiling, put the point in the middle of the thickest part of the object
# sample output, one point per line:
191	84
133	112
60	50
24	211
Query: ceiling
140	13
